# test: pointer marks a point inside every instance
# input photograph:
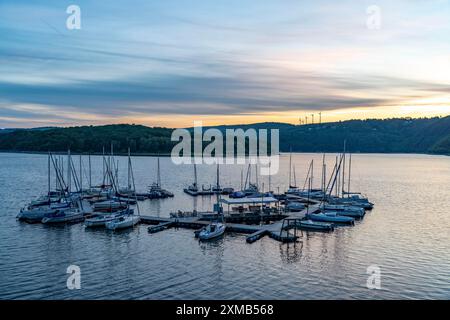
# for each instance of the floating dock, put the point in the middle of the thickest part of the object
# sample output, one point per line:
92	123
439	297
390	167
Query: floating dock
280	230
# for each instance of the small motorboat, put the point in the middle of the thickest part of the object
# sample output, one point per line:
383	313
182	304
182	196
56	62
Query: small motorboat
315	225
330	217
123	222
64	216
213	230
101	220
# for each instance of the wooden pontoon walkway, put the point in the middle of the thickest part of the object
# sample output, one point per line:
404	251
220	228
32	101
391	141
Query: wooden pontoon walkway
279	230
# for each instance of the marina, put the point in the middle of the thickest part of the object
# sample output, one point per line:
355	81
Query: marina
281	216
165	242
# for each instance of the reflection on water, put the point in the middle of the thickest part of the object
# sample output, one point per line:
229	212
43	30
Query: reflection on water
406	234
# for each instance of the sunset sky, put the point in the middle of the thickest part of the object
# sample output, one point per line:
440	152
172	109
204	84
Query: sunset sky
168	63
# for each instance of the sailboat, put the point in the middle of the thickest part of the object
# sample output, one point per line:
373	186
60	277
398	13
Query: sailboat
217	188
101	220
292	187
113	199
69	215
129	219
252	188
155	190
193	189
123	222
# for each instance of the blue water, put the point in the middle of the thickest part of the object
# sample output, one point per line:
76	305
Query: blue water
407	235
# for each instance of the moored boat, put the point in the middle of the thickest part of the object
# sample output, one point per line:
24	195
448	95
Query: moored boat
109	205
64	216
295	206
101	220
315	225
123	222
211	231
331	217
36	214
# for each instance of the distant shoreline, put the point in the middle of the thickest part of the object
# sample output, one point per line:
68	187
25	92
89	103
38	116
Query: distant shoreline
420	136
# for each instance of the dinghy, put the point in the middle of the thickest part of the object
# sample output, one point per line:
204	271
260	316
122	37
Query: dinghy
122	222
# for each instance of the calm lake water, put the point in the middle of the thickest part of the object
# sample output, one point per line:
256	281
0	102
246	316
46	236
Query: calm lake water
407	235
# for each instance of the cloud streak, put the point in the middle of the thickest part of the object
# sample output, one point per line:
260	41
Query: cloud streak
135	58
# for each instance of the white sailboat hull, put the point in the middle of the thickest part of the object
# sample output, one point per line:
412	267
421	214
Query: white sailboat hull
122	222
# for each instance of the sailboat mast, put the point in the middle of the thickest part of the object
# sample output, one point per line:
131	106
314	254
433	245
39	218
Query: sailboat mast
324	180
242	178
256	175
337	176
90	172
129	168
81	175
56	175
48	172
117	172
103	165
217	178
270	180
343	171
290	167
111	162
247	176
158	177
349	173
312	172
322	185
195	174
295	177
69	175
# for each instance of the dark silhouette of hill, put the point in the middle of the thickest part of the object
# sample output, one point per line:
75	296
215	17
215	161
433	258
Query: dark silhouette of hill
424	135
